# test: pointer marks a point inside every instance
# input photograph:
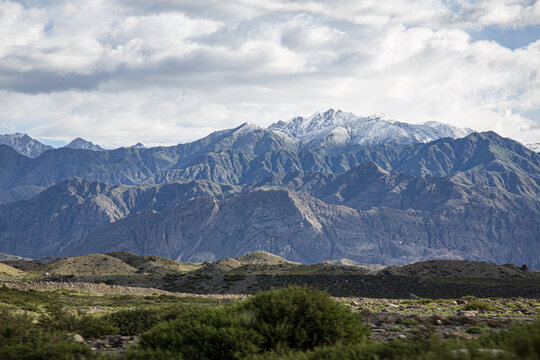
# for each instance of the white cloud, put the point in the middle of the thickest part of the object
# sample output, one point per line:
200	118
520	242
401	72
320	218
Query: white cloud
508	13
119	72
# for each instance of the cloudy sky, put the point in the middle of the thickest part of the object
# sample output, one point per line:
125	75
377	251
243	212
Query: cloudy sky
162	72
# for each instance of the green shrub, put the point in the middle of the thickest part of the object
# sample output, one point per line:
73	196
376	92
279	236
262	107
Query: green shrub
134	322
153	354
204	334
479	305
94	326
298	318
522	340
234	277
13	326
303	318
20	338
430	350
58	319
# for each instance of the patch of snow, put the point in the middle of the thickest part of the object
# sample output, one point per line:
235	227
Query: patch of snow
24	144
339	129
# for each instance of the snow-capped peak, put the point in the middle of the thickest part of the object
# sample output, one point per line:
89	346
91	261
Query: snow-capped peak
24	144
247	127
381	117
338	129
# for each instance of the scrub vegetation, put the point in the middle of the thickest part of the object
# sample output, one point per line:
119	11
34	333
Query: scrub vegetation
287	323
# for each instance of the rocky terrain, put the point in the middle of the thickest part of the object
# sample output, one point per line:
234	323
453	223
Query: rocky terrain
459	301
345	131
255	189
255	272
24	144
82	144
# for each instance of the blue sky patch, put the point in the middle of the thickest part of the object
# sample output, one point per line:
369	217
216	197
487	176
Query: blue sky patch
511	38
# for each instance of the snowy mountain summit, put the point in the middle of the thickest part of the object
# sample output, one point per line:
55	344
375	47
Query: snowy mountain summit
338	129
24	144
80	143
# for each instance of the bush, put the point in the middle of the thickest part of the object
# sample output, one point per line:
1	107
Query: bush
303	318
522	340
430	350
203	334
479	305
295	318
93	327
58	319
20	338
234	277
134	322
152	354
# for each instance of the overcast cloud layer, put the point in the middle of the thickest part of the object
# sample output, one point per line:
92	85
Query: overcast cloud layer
164	72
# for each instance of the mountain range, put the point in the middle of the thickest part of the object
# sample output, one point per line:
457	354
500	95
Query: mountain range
346	131
418	192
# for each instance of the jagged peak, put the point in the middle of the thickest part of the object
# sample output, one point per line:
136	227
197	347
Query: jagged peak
138	145
247	127
381	117
24	144
83	144
16	135
335	129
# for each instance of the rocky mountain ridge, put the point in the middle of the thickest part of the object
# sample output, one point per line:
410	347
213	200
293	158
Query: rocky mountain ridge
24	144
366	214
337	129
249	189
238	156
82	144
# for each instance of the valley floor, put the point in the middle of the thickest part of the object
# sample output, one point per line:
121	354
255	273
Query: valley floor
461	318
124	306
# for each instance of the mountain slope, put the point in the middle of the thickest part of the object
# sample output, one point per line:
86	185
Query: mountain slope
484	159
341	130
81	144
294	226
301	228
136	165
24	144
249	153
407	218
66	212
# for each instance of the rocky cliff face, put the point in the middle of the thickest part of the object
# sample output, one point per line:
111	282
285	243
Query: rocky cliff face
64	213
295	226
305	229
